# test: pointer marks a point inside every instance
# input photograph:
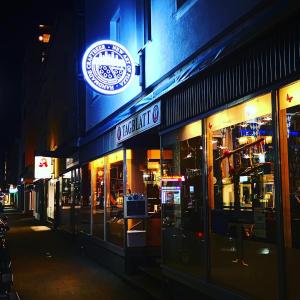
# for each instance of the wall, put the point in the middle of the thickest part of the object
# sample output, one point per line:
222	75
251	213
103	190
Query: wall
175	36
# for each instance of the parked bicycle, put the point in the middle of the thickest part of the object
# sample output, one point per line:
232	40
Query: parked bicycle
6	275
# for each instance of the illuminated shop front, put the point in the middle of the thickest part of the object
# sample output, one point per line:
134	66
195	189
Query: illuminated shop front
239	237
131	173
107	192
196	165
242	197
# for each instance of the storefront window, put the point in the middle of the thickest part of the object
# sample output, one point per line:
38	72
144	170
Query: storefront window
98	191
182	200
242	198
289	98
143	180
114	201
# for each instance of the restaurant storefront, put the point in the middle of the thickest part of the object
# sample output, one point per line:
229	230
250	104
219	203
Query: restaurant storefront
218	171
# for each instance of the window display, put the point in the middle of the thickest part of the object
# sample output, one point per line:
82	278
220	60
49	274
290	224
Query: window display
143	179
182	200
241	194
289	100
114	200
98	183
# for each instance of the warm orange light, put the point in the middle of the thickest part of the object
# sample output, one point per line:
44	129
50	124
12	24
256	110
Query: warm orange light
173	178
153	154
44	38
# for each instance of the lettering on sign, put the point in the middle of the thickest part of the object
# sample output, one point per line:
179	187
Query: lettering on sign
108	67
138	123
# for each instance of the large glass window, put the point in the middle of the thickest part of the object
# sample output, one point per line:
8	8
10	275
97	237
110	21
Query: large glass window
114	201
241	194
182	200
290	175
98	192
143	179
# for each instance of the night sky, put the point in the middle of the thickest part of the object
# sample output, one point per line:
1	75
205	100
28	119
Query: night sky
18	26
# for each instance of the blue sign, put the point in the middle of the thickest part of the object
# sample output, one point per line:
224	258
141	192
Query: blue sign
108	67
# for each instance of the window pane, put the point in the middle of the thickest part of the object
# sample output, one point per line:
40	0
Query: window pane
97	177
241	192
180	3
290	176
182	200
114	201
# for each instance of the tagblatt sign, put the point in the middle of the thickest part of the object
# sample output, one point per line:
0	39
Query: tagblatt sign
108	67
140	122
42	167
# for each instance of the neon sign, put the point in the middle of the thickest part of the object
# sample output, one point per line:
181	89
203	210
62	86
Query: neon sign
173	178
108	67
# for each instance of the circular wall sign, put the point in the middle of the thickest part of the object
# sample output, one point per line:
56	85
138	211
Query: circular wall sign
108	67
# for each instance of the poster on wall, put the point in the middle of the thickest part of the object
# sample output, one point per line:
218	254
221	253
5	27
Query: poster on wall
42	167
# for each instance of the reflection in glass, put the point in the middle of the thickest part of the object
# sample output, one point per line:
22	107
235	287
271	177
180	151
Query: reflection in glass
182	201
241	192
290	177
98	183
114	201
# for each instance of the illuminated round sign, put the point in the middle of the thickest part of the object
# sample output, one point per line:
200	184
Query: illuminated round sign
108	67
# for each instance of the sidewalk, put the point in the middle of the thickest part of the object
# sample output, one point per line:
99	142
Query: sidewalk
48	266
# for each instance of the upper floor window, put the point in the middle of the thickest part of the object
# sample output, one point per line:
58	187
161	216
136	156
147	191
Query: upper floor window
147	21
179	3
182	6
115	26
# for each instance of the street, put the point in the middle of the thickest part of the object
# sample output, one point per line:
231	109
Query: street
47	265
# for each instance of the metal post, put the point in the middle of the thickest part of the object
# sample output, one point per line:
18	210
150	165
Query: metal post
278	199
161	204
91	216
105	198
206	205
124	192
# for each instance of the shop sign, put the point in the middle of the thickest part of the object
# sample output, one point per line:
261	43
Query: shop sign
108	67
71	162
138	123
42	167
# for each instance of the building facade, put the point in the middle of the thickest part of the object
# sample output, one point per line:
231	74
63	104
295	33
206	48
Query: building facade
218	167
194	167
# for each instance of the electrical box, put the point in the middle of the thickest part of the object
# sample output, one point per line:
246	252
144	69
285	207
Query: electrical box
135	206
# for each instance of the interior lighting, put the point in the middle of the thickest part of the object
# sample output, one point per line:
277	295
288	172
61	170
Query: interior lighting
250	110
40	38
264	251
40	228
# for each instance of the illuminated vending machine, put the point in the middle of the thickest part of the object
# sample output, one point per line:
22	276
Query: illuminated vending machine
171	199
135	208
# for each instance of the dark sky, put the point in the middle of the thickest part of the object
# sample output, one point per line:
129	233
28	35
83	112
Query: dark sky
18	20
18	26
